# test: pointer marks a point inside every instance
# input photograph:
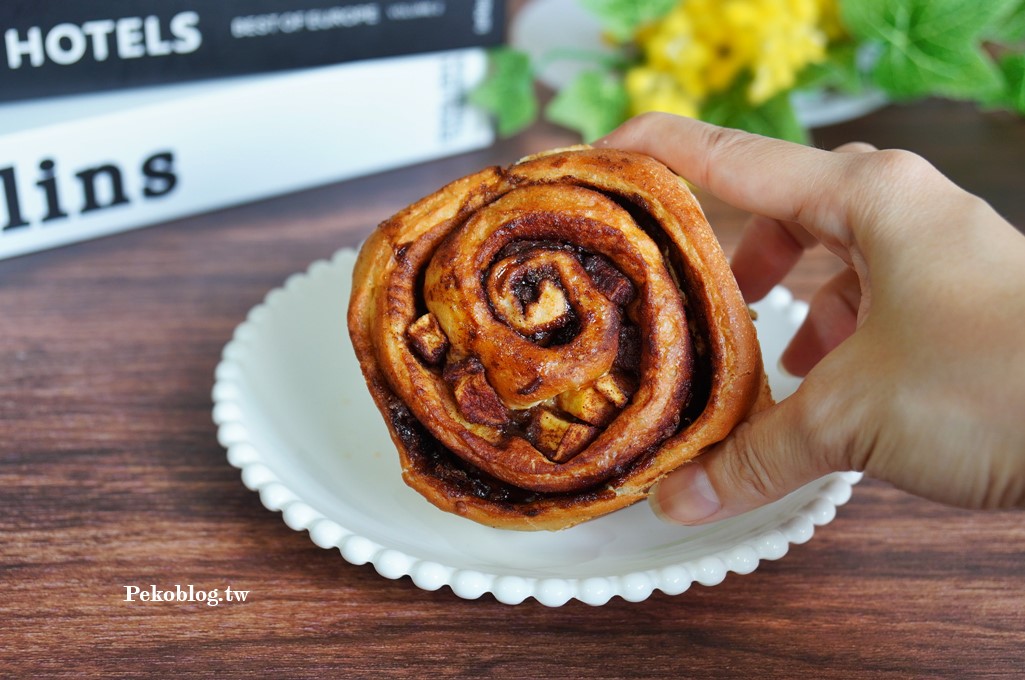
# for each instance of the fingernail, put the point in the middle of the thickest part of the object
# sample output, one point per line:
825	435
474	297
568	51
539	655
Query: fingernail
686	496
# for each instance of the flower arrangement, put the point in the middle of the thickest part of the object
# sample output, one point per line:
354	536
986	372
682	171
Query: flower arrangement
738	63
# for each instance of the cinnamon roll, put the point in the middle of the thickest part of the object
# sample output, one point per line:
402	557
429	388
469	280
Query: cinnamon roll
547	340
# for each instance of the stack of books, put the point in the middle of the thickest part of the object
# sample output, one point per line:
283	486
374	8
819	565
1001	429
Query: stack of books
121	119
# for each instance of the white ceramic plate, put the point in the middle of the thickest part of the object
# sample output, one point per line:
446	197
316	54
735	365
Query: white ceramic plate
295	416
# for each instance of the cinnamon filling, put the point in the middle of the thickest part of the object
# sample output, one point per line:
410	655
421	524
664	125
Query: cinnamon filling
549	321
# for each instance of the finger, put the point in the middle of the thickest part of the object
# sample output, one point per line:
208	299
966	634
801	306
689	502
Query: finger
761	461
832	318
761	175
769	248
767	251
830	194
855	147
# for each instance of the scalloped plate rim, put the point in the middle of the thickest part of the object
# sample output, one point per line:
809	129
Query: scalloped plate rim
825	496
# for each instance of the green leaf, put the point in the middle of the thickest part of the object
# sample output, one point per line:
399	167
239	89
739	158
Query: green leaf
969	75
839	71
507	92
1013	66
928	47
622	18
774	118
947	21
593	104
1009	27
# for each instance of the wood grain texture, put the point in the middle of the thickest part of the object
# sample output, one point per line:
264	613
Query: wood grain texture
111	475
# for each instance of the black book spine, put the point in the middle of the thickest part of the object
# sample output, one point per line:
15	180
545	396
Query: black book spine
54	47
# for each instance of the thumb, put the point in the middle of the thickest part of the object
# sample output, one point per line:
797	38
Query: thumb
762	460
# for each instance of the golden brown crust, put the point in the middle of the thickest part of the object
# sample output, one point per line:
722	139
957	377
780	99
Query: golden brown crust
592	337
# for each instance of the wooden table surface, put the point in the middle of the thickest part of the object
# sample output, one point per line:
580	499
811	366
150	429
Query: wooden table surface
111	475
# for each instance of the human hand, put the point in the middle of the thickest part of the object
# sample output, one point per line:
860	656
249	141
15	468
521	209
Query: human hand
914	355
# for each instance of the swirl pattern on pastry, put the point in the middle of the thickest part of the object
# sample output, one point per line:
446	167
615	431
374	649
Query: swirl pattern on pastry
547	340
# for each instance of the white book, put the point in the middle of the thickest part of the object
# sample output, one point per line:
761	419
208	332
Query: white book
75	168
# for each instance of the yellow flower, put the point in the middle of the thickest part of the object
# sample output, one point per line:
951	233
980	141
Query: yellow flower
653	90
670	47
829	20
704	46
791	42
